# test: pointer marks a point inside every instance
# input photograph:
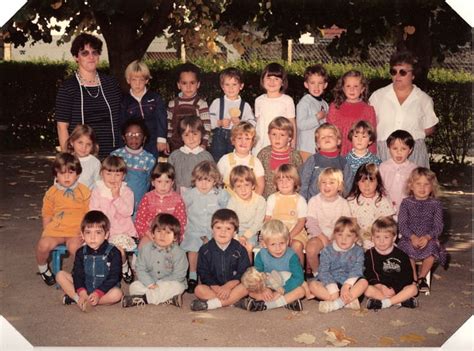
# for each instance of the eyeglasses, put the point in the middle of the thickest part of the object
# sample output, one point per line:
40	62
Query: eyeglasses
85	53
133	135
402	72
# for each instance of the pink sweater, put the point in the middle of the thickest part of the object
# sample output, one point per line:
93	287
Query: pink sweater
346	115
322	214
118	211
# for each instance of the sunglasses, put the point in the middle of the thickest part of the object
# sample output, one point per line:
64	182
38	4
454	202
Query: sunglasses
85	53
402	72
133	135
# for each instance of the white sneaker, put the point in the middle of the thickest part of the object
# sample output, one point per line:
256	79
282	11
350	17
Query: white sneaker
353	305
327	306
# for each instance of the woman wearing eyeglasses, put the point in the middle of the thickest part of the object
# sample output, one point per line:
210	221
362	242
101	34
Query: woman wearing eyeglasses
402	105
89	97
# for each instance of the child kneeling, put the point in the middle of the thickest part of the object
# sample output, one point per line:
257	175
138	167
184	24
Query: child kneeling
96	274
341	280
388	269
276	257
161	267
221	263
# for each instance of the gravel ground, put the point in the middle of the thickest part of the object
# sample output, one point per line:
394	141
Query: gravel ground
35	310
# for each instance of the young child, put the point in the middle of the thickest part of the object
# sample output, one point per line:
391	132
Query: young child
248	205
162	199
388	270
202	200
350	105
243	139
289	207
114	198
64	205
83	143
328	140
187	103
341	280
279	152
311	110
227	111
273	103
146	105
191	153
221	263
139	161
324	210
161	267
361	135
277	256
367	200
396	170
95	278
420	222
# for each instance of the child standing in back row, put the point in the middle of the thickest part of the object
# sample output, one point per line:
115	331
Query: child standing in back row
188	103
227	111
64	205
272	104
311	109
83	143
350	105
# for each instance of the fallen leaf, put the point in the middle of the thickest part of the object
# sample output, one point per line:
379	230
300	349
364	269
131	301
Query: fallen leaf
412	338
386	341
337	337
142	333
437	276
33	217
305	338
465	292
455	265
197	321
361	313
26	195
289	317
398	323
451	305
434	331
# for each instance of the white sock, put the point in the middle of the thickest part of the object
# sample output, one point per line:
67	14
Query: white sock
338	304
280	302
386	303
76	298
214	303
43	268
125	267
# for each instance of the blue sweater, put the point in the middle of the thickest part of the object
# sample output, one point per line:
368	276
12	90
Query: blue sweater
338	266
265	262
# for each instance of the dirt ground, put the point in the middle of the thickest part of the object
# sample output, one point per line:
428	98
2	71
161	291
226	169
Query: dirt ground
35	310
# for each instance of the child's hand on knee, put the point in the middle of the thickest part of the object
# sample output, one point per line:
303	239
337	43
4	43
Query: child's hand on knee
346	294
267	295
94	298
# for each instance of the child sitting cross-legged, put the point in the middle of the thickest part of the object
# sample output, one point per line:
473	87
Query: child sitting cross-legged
221	263
388	269
277	256
161	267
341	280
96	273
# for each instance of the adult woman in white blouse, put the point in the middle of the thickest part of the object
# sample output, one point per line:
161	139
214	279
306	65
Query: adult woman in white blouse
402	105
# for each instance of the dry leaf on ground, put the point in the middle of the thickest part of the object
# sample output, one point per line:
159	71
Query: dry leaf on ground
338	338
465	292
305	338
386	341
361	313
398	323
437	276
197	321
33	217
455	265
451	305
412	338
434	331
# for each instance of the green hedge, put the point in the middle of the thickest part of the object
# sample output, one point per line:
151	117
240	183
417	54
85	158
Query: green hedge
28	92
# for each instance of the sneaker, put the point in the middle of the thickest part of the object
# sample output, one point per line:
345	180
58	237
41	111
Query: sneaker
192	283
128	276
296	305
326	306
256	306
176	300
68	301
374	304
134	300
199	305
243	303
353	305
423	286
48	277
412	302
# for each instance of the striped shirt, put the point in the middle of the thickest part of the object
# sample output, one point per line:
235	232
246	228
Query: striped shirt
104	121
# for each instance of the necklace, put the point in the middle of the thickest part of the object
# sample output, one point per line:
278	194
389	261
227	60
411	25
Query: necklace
96	80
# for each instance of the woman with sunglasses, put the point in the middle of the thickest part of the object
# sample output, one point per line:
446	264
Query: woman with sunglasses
402	105
89	97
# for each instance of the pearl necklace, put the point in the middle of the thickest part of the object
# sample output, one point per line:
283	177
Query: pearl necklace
96	80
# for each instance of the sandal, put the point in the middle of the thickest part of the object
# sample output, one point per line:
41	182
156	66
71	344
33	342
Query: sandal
48	277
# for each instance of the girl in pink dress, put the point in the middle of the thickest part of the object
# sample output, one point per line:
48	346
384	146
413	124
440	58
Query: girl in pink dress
350	105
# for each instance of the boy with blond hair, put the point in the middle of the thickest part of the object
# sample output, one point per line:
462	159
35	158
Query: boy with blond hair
243	138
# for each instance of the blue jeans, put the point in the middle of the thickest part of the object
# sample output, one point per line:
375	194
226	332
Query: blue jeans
221	143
